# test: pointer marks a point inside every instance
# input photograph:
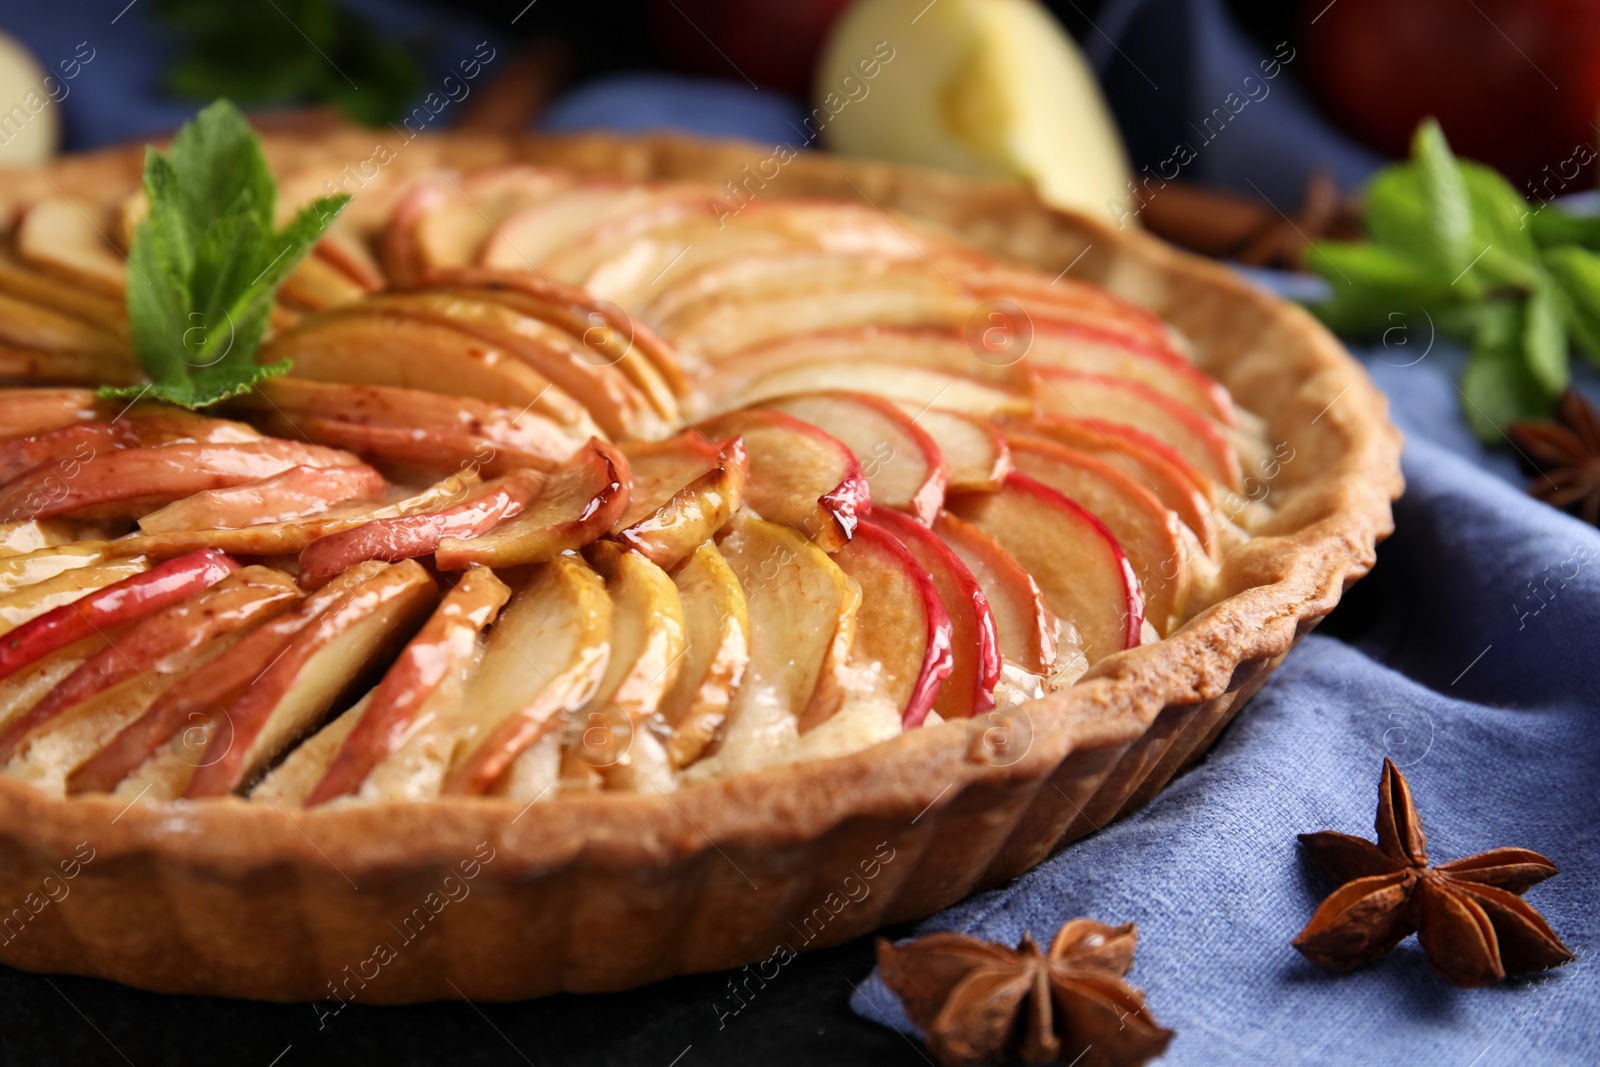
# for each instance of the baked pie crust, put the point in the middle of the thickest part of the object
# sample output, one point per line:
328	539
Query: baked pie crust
604	890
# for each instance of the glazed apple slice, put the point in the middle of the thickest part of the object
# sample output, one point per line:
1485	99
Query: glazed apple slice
903	632
162	643
803	611
24	688
29	326
1156	466
316	284
32	601
1090	350
685	489
800	476
291	494
191	711
974	449
444	219
974	644
101	310
717	626
1080	569
904	467
433	451
577	504
18	538
930	348
30	568
445	647
57	237
140	429
409	536
319	663
526	238
917	386
25	412
543	661
1099	399
1059	298
131	598
1147	531
1025	629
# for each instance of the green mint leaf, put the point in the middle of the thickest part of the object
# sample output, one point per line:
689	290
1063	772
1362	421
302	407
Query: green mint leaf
1499	385
1445	202
1500	228
1372	287
217	157
1544	340
1577	272
1551	227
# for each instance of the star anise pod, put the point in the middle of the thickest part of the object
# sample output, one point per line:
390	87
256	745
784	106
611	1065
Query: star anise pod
979	1002
1468	914
1565	453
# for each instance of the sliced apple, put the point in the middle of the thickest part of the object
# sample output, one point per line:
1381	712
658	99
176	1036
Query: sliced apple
65	368
24	688
83	441
409	536
103	311
974	449
904	467
578	504
526	238
162	643
57	237
134	481
291	494
130	598
319	663
1098	399
1146	530
25	412
18	538
349	255
26	325
803	612
800	476
1158	467
414	451
446	646
544	660
1062	300
685	489
903	632
32	601
717	625
913	385
292	780
930	348
1025	628
316	284
1080	569
444	219
193	709
1091	350
974	644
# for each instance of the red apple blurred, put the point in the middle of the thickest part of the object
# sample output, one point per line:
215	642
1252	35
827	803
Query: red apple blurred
773	43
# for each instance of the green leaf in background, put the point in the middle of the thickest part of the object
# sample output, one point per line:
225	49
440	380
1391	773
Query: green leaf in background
1370	283
1577	271
1446	210
1544	340
1498	385
206	262
1553	228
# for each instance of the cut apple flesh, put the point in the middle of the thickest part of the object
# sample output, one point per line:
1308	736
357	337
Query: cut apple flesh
717	654
799	476
974	449
975	651
903	465
945	351
1088	350
1079	567
29	568
18	538
25	412
59	590
319	663
903	632
444	220
57	237
528	236
446	646
432	451
295	493
1146	530
685	489
577	504
24	688
1025	629
912	385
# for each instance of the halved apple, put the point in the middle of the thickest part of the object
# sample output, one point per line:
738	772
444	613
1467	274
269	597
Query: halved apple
445	647
903	632
717	625
1098	399
904	467
56	236
799	476
1091	350
291	494
1025	628
543	661
409	536
29	568
1078	565
803	611
319	663
578	503
974	449
920	387
444	219
685	489
25	412
130	598
162	643
191	712
974	644
1146	530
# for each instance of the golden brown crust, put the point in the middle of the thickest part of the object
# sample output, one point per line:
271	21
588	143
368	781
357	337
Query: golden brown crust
610	891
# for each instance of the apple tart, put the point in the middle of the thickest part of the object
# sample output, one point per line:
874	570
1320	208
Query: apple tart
683	547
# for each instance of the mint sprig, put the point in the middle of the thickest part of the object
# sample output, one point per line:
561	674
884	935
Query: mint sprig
206	261
1453	241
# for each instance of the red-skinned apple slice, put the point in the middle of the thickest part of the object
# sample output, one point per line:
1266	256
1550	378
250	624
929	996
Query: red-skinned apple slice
973	448
1099	399
139	429
162	643
316	284
1090	350
318	664
1079	567
902	629
800	477
930	348
524	239
975	667
578	504
209	690
444	219
1147	531
1160	468
291	494
717	624
446	645
414	450
409	536
1025	628
25	412
909	384
26	687
1049	300
30	568
903	465
129	599
56	236
32	601
685	489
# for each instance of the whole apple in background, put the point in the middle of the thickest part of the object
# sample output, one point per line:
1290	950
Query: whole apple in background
1514	83
773	43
